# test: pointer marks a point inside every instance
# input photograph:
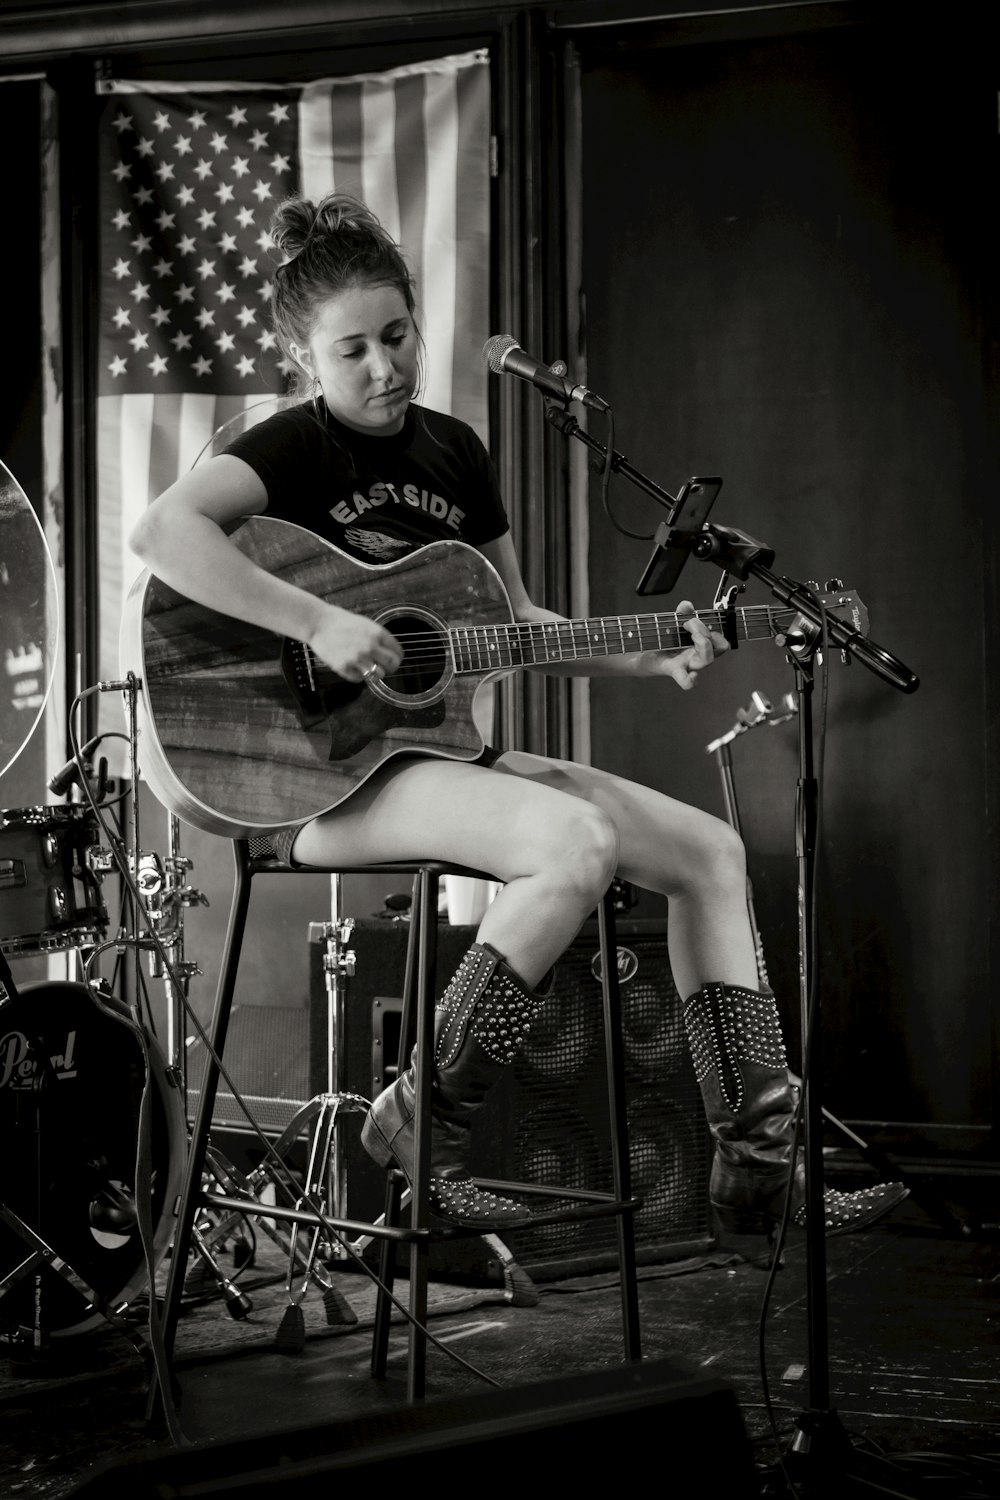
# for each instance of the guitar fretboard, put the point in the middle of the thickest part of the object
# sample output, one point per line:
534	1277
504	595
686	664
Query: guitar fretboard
478	648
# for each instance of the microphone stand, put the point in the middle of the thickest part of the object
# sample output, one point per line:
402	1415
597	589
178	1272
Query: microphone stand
820	1435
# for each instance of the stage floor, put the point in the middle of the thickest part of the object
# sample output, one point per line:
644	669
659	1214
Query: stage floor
914	1365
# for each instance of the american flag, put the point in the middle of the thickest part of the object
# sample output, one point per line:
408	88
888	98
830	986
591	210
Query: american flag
190	176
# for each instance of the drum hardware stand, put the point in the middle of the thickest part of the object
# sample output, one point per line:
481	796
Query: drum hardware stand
42	1256
159	886
760	711
325	1182
35	1343
166	896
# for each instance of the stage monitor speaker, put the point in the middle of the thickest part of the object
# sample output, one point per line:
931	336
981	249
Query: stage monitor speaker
267	1059
547	1119
657	1418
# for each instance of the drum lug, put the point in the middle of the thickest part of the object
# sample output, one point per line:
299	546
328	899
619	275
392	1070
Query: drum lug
58	904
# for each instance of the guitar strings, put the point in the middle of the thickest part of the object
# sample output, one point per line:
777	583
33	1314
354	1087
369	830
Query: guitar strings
427	647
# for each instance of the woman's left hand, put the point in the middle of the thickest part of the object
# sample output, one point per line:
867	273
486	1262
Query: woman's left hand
684	666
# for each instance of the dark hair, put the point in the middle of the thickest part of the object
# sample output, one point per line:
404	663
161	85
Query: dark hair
328	247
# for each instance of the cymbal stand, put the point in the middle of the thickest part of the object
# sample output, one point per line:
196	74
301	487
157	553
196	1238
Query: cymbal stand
167	900
166	897
324	1185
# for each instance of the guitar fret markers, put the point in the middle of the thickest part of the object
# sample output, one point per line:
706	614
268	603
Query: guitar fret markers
478	648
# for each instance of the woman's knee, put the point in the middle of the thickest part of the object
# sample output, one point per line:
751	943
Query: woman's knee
586	850
572	850
718	863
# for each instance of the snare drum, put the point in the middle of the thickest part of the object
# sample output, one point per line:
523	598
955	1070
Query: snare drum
71	1082
50	898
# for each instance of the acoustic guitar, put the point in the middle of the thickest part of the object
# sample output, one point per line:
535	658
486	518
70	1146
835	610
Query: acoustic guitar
242	732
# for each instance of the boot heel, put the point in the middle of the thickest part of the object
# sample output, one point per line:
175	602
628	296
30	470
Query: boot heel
375	1143
750	1236
741	1223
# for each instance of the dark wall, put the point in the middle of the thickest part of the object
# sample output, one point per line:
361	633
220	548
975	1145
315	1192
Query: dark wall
21	408
788	261
20	256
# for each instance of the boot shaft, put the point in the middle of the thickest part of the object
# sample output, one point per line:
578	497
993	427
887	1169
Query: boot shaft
738	1052
480	1024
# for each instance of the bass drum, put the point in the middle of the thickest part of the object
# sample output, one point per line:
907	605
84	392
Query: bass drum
72	1074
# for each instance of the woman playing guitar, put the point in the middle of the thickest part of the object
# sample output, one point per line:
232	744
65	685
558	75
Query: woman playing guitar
365	467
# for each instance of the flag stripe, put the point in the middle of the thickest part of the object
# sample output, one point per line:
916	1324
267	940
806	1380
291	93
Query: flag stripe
348	138
378	159
441	126
411	172
472	250
316	142
164	440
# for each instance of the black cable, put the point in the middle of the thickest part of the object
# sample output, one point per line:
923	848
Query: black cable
606	471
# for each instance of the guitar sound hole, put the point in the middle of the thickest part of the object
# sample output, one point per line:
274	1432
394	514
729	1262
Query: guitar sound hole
424	656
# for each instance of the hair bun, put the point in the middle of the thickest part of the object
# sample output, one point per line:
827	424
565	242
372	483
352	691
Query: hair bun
297	221
338	212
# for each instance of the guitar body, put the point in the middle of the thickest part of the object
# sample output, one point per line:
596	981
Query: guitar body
241	733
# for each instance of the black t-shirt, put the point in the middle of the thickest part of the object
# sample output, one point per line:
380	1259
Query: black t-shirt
376	497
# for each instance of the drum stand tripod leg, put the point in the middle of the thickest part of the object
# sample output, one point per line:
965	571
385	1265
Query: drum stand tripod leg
324	1188
44	1256
238	1304
268	1174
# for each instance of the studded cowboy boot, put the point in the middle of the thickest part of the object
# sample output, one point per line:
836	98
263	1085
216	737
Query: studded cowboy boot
741	1068
480	1023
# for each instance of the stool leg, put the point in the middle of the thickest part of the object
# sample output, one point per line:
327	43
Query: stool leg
621	1166
198	1144
420	1199
387	1276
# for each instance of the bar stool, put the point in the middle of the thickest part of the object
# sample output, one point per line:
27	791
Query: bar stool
256	857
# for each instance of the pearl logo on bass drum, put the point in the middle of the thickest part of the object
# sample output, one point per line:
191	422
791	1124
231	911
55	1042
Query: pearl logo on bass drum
19	1065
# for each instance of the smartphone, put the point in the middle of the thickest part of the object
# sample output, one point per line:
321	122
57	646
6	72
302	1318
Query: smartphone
675	538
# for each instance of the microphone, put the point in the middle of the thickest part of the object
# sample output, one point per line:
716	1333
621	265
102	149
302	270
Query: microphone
505	356
64	779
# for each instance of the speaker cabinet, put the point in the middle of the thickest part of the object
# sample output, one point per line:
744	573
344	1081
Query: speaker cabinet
267	1060
547	1119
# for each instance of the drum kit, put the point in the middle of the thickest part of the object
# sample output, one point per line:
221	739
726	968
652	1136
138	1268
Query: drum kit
85	1214
94	1110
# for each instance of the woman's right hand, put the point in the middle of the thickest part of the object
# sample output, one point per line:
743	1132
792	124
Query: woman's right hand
352	644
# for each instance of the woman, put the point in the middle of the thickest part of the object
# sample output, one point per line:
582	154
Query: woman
364	466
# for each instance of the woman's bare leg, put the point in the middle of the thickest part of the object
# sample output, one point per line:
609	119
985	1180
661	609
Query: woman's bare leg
556	854
697	861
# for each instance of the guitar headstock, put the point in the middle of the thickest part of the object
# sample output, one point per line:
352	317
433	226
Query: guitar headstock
840	603
846	604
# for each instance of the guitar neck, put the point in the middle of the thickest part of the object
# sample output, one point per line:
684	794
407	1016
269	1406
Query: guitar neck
478	648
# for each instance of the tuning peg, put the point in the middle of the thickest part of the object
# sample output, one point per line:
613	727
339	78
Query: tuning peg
834	585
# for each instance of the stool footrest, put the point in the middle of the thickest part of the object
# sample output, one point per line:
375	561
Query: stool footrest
581	1204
